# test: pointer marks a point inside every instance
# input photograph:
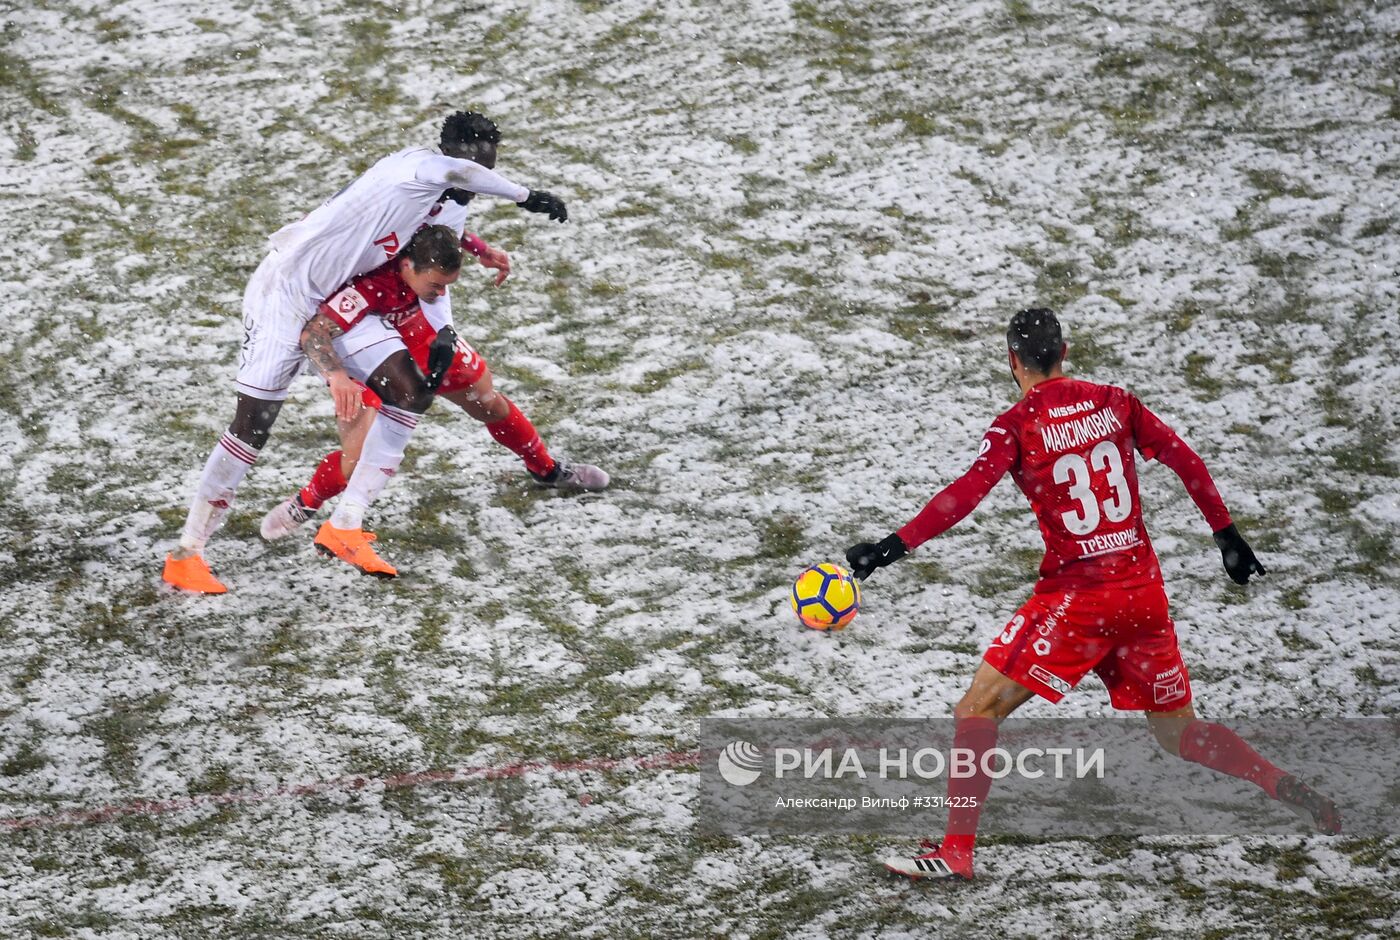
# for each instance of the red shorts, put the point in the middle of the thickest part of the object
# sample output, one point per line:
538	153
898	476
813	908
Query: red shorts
1124	634
418	334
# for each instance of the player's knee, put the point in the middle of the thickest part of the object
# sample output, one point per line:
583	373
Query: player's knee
419	399
969	708
495	407
407	392
1168	735
253	420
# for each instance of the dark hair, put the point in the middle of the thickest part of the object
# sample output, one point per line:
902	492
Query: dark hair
468	127
435	246
1034	336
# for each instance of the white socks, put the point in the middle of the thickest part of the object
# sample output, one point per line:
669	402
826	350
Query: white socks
224	470
379	460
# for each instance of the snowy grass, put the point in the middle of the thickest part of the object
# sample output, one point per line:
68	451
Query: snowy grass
797	232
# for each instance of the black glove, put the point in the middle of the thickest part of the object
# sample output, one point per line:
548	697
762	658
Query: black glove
541	201
459	196
440	355
867	556
1239	558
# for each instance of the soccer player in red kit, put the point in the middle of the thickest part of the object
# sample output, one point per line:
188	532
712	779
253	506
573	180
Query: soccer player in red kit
1099	604
427	266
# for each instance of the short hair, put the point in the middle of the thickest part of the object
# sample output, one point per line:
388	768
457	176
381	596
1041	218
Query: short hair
1035	337
435	246
468	127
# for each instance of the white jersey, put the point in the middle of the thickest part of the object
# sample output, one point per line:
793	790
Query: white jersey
454	216
369	221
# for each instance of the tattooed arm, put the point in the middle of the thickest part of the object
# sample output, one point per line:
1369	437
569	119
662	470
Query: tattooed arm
317	341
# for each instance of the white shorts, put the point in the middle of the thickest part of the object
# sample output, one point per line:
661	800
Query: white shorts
271	355
273	316
366	346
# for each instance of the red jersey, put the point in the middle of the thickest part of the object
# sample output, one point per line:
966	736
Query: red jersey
381	291
1069	446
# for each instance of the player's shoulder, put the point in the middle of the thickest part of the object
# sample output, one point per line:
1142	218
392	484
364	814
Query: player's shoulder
411	155
1086	395
1060	399
403	165
378	283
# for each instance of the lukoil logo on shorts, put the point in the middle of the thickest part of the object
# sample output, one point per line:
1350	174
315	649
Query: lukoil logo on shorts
1169	690
739	763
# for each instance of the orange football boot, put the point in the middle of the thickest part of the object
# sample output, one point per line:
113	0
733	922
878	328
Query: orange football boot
191	574
352	547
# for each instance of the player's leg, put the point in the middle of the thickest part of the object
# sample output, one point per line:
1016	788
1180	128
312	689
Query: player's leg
469	385
269	359
328	480
988	701
233	455
1145	672
1215	746
1045	649
374	354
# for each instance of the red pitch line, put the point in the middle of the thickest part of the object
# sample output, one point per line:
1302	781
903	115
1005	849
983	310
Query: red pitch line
102	814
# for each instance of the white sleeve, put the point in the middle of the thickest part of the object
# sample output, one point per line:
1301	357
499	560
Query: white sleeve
439	312
453	216
445	171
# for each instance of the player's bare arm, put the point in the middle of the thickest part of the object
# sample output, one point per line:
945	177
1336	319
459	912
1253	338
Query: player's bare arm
317	341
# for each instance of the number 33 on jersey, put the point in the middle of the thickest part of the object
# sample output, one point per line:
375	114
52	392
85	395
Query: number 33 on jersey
1070	447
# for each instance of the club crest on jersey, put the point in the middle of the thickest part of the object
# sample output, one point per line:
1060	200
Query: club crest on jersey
350	303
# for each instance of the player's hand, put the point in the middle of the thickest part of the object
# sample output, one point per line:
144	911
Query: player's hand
865	557
440	355
541	201
346	393
499	260
1239	558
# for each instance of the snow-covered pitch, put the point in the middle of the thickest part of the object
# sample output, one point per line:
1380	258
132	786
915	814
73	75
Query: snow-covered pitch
775	315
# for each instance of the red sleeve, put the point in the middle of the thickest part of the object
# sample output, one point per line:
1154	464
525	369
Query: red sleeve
949	505
346	306
1155	440
474	244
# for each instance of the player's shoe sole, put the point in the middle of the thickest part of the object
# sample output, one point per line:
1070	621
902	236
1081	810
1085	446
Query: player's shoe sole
1311	806
932	866
191	574
352	547
284	519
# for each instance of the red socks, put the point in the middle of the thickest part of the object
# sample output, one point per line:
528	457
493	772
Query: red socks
967	794
326	483
516	432
1219	748
1210	745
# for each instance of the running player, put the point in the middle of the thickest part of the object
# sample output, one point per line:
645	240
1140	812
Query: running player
465	381
1099	604
358	229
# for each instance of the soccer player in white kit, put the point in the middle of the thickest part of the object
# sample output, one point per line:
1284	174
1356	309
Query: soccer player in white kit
356	230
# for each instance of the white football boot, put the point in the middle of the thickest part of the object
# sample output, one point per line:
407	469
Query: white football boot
938	864
285	518
574	477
